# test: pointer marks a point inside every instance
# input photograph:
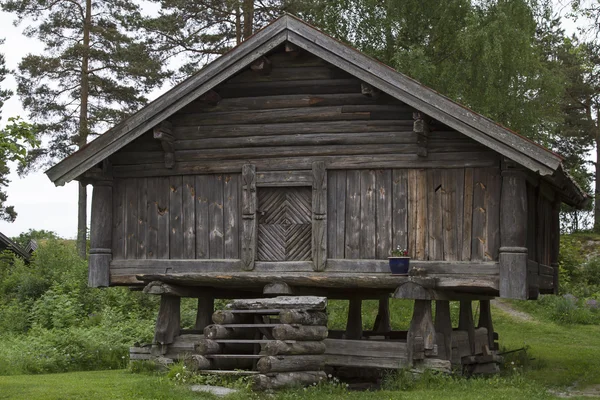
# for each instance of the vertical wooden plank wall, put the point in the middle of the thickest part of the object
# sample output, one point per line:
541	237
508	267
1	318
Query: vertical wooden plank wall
177	217
437	214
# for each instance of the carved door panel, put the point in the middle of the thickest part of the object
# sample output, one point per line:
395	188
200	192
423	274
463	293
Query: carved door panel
284	224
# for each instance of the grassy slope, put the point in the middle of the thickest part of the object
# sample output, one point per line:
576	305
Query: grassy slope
564	356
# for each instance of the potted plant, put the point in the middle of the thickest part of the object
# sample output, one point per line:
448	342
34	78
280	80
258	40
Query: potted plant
399	261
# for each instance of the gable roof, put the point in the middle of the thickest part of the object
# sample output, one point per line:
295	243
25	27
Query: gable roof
7	244
290	29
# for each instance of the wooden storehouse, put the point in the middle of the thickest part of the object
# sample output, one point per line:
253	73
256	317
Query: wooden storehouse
295	164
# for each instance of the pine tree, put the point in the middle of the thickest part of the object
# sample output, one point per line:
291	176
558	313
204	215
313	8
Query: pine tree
94	70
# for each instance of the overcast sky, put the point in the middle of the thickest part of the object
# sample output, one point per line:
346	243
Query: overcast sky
39	203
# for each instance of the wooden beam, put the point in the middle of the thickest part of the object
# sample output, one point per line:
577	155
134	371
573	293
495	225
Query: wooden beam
354	322
262	66
485	321
514	282
443	329
100	235
168	321
421	339
164	133
249	221
421	291
382	321
206	306
319	216
421	130
465	322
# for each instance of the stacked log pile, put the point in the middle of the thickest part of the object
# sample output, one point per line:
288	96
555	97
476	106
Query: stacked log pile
281	339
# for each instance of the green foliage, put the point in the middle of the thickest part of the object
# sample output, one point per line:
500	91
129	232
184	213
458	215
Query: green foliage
35	234
51	322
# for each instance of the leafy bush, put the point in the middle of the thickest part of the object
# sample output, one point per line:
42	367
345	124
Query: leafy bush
50	321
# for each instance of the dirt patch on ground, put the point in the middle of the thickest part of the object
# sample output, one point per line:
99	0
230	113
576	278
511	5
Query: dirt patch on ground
590	391
507	308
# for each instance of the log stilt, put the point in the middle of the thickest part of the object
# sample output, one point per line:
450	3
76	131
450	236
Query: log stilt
421	339
168	321
301	332
354	324
206	306
382	321
278	347
443	329
485	321
465	322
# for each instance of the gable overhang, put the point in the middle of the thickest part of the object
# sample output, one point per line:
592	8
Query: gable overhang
290	29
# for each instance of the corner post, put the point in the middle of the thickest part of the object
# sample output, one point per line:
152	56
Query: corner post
100	234
249	204
555	242
513	235
319	216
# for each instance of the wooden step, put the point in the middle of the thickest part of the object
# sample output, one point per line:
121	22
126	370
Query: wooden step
235	356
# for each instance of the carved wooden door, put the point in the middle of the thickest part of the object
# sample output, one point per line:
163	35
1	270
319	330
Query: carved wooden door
284	224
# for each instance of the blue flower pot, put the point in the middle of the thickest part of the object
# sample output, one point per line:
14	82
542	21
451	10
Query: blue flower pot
399	265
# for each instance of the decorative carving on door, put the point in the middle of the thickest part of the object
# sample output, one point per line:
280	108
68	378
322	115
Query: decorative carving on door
284	223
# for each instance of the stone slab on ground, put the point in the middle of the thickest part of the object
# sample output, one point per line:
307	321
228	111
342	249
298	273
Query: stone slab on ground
216	390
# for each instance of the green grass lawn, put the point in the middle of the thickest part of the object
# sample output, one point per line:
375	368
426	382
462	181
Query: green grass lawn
564	356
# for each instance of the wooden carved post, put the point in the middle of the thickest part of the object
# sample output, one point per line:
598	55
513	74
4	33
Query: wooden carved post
100	235
206	307
555	242
354	323
443	329
382	321
465	322
485	321
513	236
168	321
319	216
421	339
249	222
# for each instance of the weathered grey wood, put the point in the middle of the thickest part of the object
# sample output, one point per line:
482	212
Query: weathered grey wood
142	225
278	347
162	288
231	216
152	218
382	320
176	218
202	221
288	380
368	236
422	291
421	130
435	213
443	329
168	321
249	223
164	133
302	86
319	216
215	216
215	332
197	362
399	209
277	288
479	220
555	244
354	321
383	206
163	213
513	228
283	178
262	65
494	183
336	212
417	211
486	285
299	332
131	218
281	302
353	207
467	228
207	346
485	321
303	317
270	364
465	323
206	306
450	216
221	317
188	194
101	236
421	339
170	102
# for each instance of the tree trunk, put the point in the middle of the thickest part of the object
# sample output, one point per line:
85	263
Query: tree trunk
597	186
248	10
83	129
238	25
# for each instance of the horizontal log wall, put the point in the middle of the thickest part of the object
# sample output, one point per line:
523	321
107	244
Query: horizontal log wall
437	214
177	217
303	111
